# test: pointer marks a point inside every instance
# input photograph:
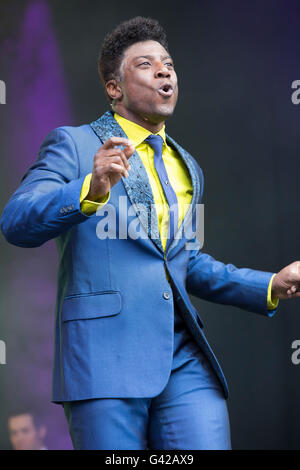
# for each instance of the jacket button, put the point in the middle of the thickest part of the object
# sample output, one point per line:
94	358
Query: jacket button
166	295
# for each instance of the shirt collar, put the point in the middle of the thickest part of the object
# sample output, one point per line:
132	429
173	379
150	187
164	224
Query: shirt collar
137	134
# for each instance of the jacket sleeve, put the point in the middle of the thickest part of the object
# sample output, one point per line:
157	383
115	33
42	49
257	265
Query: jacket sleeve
215	281
47	202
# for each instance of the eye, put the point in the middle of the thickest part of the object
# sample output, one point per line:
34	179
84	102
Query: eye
143	63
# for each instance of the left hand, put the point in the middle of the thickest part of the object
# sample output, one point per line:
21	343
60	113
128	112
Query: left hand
286	283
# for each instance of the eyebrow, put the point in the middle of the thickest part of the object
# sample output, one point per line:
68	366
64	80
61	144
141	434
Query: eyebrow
151	57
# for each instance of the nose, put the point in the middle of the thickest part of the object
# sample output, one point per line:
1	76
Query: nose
162	71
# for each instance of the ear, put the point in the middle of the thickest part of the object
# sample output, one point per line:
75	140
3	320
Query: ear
114	90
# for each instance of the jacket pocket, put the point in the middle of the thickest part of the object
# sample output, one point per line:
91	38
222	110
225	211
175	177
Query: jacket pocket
94	305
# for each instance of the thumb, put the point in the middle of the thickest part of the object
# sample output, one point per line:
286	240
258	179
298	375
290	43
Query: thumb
129	150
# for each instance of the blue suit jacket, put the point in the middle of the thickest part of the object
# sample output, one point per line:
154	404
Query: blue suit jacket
113	319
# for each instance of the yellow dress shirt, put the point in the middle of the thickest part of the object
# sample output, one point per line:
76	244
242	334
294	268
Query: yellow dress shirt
178	176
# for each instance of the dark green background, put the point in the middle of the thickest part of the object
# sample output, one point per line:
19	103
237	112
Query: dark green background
235	62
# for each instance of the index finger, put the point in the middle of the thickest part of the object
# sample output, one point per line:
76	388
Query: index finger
112	141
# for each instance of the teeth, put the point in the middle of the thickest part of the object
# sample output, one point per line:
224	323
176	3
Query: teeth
166	89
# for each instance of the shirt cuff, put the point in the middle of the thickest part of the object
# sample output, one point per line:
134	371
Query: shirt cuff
271	305
90	207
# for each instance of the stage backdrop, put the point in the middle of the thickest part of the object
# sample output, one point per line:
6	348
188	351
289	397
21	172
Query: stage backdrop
236	62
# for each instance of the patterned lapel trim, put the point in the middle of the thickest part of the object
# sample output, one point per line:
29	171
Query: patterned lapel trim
137	184
196	190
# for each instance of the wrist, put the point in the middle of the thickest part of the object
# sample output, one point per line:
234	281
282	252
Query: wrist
274	290
95	197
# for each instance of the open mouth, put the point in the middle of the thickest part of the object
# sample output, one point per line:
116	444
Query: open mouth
166	90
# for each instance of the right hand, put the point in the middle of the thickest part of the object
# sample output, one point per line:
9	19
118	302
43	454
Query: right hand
110	164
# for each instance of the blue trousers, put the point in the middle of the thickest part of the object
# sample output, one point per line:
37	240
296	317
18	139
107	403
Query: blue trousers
190	413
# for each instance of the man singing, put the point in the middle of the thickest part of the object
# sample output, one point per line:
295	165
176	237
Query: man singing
132	366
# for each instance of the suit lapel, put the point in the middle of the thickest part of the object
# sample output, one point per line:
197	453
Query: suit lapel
187	221
138	186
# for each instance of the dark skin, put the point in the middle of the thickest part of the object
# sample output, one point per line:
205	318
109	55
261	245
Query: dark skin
138	97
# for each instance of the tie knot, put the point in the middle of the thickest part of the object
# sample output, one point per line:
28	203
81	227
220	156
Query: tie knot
156	142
